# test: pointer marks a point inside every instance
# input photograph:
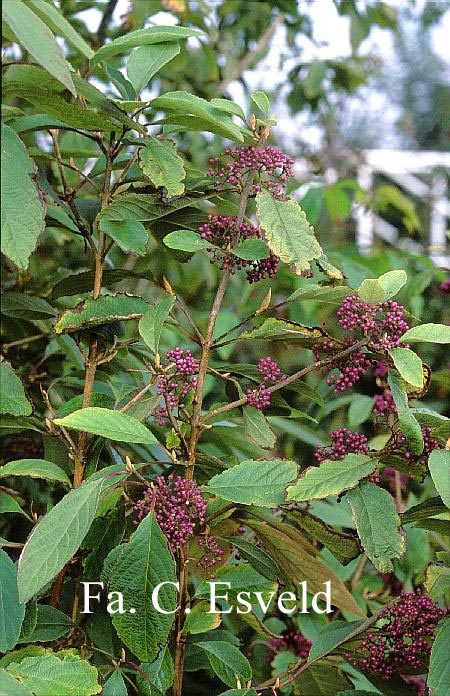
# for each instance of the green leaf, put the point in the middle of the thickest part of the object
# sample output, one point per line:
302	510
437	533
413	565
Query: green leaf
428	333
144	563
12	613
76	402
103	310
343	546
144	207
55	539
257	428
47	675
200	620
377	523
287	231
51	624
79	283
10	504
256	482
38	40
324	293
107	423
439	466
409	365
331	477
240	577
36	468
331	636
143	37
130	235
196	113
238	692
228	106
21	306
286	545
115	685
278	329
439	673
251	250
407	422
227	662
23	211
360	410
151	324
59	24
12	394
262	102
146	61
186	240
161	163
384	287
322	679
160	672
51	103
9	685
260	561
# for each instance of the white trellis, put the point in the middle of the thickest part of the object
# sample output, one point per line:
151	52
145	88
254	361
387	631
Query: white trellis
402	167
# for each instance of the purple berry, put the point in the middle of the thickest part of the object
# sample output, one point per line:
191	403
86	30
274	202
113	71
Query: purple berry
271	166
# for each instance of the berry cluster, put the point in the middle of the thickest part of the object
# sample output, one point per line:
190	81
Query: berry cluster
384	404
221	230
351	368
383	322
179	508
293	641
429	444
403	640
343	442
175	387
444	287
260	397
213	552
271	166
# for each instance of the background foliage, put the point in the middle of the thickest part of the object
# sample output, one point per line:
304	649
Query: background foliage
84	217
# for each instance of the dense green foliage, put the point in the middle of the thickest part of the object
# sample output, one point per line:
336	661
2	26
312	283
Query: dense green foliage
203	380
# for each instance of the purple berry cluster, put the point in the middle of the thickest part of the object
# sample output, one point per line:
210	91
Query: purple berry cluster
176	385
384	404
179	508
213	553
293	641
221	230
404	639
444	287
383	322
260	397
343	442
272	166
350	370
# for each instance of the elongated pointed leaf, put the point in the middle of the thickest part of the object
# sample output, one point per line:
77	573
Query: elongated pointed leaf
56	537
107	423
428	333
130	235
331	636
38	40
227	661
439	674
287	231
23	211
12	394
35	468
151	324
12	612
103	310
47	675
186	240
439	466
257	428
409	365
144	563
331	477
143	37
59	24
255	482
146	61
377	523
408	423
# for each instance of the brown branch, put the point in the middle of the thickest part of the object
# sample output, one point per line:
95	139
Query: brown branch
292	378
100	34
249	58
